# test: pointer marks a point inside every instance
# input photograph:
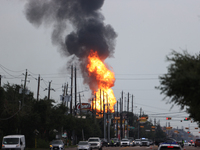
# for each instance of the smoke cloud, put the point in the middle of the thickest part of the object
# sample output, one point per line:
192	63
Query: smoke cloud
89	31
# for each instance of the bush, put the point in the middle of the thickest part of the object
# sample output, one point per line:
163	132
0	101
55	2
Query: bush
41	143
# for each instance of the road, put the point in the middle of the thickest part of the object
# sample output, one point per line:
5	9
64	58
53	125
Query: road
140	148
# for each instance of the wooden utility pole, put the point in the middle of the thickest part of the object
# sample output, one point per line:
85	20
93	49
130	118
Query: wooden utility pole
75	96
38	89
71	89
80	103
117	119
128	104
132	103
49	90
121	133
0	80
24	89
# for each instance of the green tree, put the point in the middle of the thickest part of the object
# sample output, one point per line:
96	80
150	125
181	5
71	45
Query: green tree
181	85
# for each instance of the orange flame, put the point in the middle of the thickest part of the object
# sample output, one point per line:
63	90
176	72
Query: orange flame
105	80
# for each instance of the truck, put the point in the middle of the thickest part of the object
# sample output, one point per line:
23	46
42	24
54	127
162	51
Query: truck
13	142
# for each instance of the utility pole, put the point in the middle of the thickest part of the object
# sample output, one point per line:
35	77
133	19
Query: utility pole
75	96
24	88
132	103
117	119
71	90
128	104
0	80
49	90
80	104
121	133
108	107
38	89
63	97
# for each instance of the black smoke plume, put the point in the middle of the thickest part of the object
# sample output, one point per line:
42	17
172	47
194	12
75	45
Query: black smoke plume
89	31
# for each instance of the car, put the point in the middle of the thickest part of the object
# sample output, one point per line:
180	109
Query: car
197	142
114	142
83	145
192	143
104	142
124	142
137	141
57	145
132	142
169	145
144	142
95	143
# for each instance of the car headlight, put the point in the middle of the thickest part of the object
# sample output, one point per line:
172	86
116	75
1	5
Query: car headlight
17	145
60	146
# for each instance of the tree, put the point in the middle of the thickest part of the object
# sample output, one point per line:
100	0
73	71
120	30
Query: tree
181	85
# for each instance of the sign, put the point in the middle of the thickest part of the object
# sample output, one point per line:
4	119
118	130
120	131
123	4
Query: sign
130	127
153	127
117	118
168	128
84	106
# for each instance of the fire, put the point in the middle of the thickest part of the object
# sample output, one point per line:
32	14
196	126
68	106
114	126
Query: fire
105	80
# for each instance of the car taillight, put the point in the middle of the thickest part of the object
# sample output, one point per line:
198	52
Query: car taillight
170	146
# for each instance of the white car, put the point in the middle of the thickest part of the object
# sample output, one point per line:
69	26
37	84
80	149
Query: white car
144	142
169	146
124	142
95	143
83	145
137	141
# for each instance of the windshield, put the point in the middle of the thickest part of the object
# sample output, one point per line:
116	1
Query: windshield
57	142
83	143
10	140
93	140
137	139
124	139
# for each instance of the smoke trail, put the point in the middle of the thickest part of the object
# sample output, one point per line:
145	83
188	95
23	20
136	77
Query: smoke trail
89	31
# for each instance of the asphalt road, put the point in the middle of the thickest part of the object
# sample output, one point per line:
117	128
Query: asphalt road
139	148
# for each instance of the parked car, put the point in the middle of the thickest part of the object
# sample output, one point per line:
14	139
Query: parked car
95	143
83	145
57	145
114	142
197	142
104	142
124	142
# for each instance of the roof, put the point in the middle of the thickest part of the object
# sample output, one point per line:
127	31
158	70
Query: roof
13	136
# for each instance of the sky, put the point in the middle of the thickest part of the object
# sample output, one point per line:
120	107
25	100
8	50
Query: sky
147	32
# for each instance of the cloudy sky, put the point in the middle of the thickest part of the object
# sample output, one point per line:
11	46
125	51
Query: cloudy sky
147	32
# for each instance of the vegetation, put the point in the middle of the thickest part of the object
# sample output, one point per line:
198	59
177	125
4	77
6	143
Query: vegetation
181	85
40	121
